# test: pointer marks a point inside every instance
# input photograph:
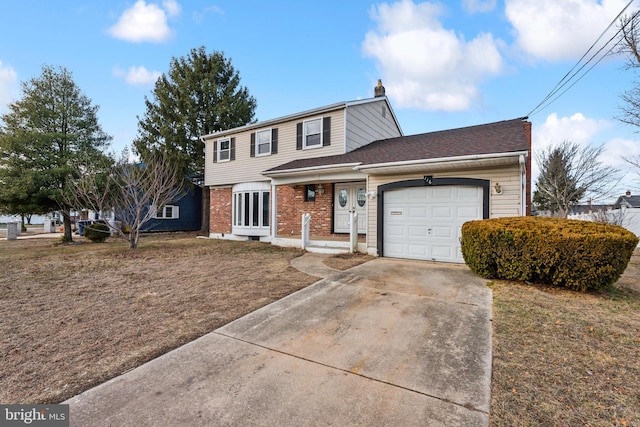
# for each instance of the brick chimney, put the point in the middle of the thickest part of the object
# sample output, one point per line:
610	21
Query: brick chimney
378	90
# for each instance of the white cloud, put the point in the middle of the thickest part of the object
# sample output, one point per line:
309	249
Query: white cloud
138	76
555	130
172	7
619	149
145	22
424	65
576	128
478	6
199	15
587	132
8	81
554	30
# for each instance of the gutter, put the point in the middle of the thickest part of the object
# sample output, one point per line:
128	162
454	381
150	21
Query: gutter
442	160
312	169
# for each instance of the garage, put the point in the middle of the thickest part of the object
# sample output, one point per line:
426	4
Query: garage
423	222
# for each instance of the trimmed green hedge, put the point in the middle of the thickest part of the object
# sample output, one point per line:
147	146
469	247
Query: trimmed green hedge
96	232
579	255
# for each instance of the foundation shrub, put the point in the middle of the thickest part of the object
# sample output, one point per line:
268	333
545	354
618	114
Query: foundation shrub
96	232
578	255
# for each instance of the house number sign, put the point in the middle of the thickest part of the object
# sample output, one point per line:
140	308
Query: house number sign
428	180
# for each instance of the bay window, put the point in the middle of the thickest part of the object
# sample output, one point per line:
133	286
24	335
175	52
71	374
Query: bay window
251	210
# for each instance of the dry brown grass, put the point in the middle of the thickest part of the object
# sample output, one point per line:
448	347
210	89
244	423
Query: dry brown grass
565	358
74	316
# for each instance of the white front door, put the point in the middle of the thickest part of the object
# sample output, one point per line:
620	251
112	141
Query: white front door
348	197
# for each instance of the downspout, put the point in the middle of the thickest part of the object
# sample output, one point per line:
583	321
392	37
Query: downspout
523	186
345	127
274	211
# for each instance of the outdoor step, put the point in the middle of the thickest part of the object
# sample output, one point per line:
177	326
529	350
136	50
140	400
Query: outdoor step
324	249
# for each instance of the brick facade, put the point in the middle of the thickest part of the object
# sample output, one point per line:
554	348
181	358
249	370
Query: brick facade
220	211
291	206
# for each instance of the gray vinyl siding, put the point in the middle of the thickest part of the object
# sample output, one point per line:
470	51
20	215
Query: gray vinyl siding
248	169
366	123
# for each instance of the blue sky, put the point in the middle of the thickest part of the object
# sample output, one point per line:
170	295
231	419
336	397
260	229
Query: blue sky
444	64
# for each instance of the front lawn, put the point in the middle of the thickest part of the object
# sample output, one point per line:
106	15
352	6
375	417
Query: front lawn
75	316
566	358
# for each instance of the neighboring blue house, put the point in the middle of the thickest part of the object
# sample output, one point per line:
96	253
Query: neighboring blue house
183	215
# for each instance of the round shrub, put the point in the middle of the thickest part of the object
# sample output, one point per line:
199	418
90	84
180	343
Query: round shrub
97	232
579	255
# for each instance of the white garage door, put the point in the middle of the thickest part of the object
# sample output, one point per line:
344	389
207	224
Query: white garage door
424	222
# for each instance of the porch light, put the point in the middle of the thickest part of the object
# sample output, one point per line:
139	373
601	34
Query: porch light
320	190
497	188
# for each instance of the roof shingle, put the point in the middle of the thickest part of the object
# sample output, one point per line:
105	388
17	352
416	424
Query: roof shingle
491	138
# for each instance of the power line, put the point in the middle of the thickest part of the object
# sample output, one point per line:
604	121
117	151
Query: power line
570	75
581	76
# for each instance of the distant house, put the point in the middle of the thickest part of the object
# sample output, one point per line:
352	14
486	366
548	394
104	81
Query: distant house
185	214
627	201
411	193
589	208
628	207
625	212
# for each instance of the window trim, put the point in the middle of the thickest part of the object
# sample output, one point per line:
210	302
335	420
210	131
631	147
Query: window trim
268	152
220	150
162	213
305	124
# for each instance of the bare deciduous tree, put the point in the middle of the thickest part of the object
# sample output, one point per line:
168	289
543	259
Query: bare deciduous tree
613	216
133	191
629	47
568	173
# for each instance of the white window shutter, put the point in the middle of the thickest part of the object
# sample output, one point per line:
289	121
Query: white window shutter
153	211
176	212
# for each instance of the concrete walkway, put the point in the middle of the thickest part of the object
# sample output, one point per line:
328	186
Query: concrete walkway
313	264
389	343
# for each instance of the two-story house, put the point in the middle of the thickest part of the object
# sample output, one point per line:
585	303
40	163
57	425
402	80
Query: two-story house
411	193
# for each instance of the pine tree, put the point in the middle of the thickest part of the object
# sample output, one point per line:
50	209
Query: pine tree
44	138
201	94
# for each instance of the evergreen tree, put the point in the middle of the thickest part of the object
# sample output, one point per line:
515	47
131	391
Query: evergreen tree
43	139
201	94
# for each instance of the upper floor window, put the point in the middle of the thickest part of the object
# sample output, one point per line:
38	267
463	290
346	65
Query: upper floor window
224	150
312	133
263	142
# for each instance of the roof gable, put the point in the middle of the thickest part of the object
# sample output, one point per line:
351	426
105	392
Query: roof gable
303	114
627	201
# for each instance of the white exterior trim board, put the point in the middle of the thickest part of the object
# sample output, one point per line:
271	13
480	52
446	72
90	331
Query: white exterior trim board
515	154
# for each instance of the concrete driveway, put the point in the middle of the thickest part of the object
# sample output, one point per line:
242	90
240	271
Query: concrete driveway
390	342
